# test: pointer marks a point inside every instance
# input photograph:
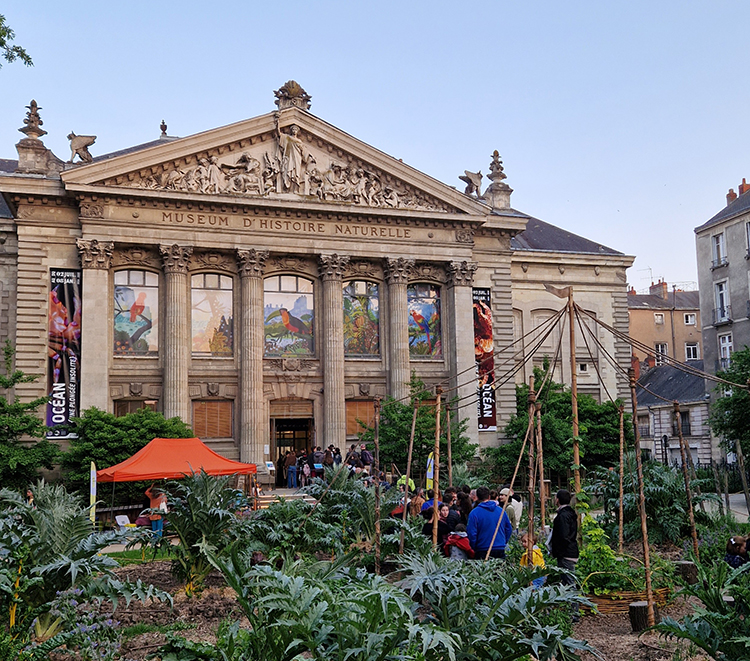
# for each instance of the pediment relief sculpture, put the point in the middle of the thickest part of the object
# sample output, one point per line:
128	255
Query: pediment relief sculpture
285	164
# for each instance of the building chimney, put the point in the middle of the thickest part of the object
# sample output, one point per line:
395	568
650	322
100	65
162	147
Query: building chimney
650	362
636	365
744	186
659	289
731	196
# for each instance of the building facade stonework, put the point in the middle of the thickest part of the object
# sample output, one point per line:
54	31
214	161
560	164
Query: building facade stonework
267	280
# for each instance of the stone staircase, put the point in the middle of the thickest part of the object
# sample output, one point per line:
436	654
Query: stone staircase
228	449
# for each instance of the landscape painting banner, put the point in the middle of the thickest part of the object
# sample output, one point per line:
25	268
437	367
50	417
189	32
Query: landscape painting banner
484	348
63	349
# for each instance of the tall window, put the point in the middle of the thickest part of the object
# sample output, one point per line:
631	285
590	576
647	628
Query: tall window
725	350
690	319
212	316
212	418
125	406
691	351
719	250
288	316
424	321
136	313
361	319
747	238
722	312
661	351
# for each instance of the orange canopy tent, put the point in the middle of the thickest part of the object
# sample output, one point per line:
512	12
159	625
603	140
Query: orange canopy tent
172	458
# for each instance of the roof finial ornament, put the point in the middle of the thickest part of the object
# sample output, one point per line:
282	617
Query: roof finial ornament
498	192
163	127
33	122
291	95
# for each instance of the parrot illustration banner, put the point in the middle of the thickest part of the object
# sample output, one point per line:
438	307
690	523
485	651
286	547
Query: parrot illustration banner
484	347
63	350
430	471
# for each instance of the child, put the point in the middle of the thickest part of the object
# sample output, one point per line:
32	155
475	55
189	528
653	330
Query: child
735	556
537	559
457	545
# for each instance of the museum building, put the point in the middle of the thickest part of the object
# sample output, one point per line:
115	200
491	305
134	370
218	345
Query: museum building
266	281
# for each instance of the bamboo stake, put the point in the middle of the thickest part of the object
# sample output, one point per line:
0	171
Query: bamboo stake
540	462
532	472
450	449
642	503
574	394
408	477
717	486
726	488
529	429
436	470
684	450
376	472
620	527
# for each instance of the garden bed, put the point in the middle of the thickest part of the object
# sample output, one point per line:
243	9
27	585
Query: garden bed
619	602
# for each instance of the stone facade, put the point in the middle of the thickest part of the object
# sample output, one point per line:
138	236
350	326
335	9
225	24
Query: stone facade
216	268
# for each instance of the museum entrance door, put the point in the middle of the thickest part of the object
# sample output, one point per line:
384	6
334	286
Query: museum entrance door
292	428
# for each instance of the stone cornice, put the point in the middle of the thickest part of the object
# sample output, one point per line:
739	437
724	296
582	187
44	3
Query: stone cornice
175	258
332	267
252	262
95	254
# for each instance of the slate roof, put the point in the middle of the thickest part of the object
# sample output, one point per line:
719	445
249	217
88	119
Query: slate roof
683	300
671	383
539	235
736	208
4	210
135	148
8	165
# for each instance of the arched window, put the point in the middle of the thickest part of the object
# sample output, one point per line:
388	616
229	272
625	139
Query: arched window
288	316
424	321
212	316
136	313
361	319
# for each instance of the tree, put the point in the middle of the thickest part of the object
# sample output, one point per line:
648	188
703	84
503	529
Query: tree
599	430
11	53
730	413
20	461
395	429
108	440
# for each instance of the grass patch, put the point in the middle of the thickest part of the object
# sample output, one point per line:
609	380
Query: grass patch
128	633
139	556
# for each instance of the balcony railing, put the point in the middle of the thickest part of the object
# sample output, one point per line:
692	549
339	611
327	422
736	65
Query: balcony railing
644	431
719	261
723	315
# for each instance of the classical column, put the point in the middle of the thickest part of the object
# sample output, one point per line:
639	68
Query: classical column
252	405
331	268
96	331
176	401
460	309
397	272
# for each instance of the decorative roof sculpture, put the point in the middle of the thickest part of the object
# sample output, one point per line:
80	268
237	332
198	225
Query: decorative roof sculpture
291	95
33	122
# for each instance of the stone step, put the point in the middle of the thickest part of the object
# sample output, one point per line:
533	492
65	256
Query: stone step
226	449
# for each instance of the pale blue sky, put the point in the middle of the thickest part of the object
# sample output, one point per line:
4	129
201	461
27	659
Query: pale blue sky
620	121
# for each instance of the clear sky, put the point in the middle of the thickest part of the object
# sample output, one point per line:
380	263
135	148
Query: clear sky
618	120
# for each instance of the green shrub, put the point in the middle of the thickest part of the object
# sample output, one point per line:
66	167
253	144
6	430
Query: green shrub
108	440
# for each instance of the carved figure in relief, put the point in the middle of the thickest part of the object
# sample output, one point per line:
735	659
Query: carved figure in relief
215	177
245	176
292	160
79	145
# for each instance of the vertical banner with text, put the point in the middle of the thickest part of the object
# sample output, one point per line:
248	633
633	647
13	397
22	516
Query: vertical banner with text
484	347
63	349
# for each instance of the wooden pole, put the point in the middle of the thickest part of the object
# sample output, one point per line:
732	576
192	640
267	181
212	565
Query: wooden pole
574	394
540	462
686	476
408	476
376	471
717	484
642	503
621	506
532	473
436	470
726	488
743	474
450	449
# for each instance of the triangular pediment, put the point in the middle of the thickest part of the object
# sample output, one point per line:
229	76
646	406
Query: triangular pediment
285	156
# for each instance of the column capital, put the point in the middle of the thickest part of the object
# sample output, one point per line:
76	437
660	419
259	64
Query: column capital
252	262
461	274
332	267
175	258
95	254
398	270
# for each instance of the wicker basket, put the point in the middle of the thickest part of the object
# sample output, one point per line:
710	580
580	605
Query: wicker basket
619	602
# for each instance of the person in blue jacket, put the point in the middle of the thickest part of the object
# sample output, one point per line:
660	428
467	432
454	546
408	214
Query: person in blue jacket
482	523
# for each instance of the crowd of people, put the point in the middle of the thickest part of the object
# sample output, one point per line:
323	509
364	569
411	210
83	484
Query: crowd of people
297	469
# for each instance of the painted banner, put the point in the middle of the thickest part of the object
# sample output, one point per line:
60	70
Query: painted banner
484	348
92	493
63	350
430	481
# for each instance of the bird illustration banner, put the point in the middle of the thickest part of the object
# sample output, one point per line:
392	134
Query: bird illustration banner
430	471
63	350
484	347
92	492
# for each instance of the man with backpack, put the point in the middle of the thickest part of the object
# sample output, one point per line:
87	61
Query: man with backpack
365	457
